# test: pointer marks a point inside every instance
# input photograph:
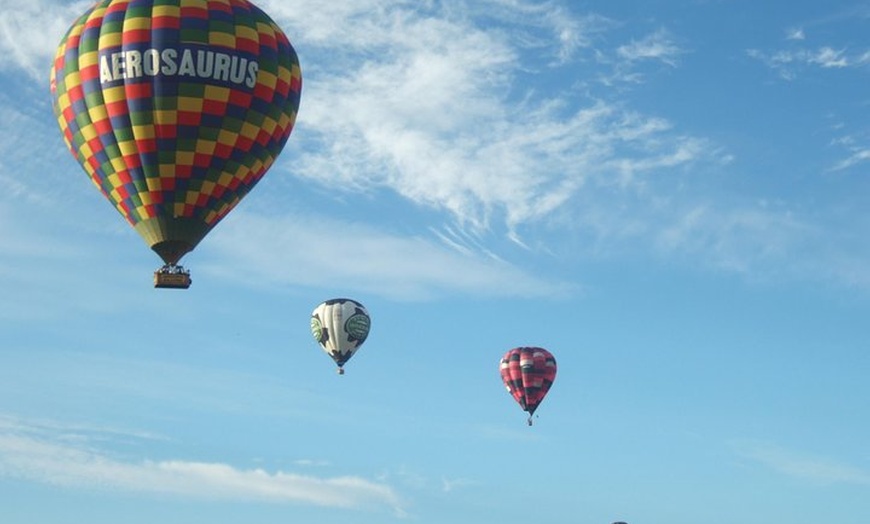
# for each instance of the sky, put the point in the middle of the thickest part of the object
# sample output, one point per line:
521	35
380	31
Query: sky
671	196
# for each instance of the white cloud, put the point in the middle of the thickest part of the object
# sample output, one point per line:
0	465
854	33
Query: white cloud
739	240
811	468
788	63
41	456
659	46
30	32
428	103
448	485
329	253
796	33
858	156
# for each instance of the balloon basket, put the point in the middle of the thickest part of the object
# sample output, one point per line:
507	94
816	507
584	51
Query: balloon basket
172	276
341	371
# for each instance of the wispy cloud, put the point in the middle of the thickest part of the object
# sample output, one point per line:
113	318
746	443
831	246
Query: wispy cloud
796	33
39	455
802	466
31	31
789	63
858	155
659	46
429	105
317	251
448	485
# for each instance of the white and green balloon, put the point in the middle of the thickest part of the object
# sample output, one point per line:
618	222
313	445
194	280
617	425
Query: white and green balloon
340	326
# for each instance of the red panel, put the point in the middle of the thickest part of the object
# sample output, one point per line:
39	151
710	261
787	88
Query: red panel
138	90
165	22
136	36
214	107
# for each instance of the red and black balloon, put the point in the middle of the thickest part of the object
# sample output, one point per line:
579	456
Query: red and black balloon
528	374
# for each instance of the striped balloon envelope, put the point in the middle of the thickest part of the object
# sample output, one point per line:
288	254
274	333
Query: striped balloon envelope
528	373
175	109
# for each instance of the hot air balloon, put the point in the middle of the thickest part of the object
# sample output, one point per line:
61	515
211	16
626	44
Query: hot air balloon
340	326
175	109
528	373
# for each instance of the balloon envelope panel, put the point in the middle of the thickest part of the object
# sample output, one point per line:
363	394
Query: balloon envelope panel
340	326
528	373
175	109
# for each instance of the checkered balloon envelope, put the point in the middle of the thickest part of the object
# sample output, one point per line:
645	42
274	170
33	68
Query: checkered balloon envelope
175	109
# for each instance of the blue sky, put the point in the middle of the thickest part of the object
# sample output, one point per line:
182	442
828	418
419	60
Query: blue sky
670	196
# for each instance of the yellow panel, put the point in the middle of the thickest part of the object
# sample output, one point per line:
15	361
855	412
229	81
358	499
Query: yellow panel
173	11
265	29
184	158
98	114
208	187
191	197
269	125
88	59
145	197
225	179
72	80
285	75
186	103
85	151
89	133
242	173
222	39
98	12
267	79
249	131
109	40
227	138
128	147
165	117
118	164
113	180
114	94
199	4
205	147
217	93
143	132
167	171
62	103
139	22
243	31
154	184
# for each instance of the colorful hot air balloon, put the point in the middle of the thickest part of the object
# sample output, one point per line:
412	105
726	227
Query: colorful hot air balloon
528	373
175	109
340	326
